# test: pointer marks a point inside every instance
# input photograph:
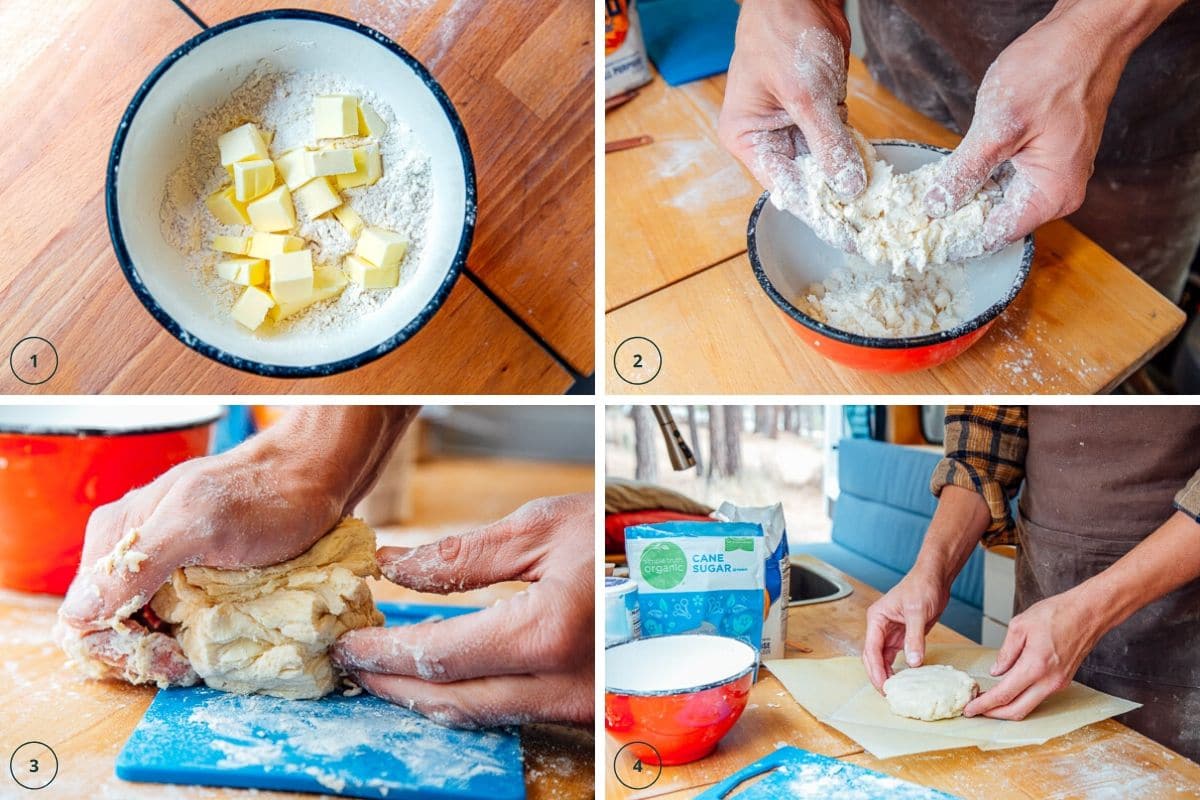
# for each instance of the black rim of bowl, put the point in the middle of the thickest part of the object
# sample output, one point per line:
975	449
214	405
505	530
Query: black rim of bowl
689	689
280	370
200	421
878	342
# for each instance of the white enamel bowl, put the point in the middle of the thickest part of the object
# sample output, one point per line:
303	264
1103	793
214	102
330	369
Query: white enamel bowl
198	76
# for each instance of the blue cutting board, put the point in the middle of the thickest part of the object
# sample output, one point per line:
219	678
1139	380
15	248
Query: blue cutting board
795	773
350	746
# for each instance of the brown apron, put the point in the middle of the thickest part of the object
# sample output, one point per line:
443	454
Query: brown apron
1099	480
1143	202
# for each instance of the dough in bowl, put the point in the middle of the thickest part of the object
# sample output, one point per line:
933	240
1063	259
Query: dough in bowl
935	691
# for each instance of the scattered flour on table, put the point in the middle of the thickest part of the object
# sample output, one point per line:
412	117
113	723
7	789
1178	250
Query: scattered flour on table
886	223
869	300
282	103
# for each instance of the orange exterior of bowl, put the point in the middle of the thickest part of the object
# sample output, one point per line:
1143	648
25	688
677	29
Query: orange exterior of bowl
49	486
681	727
885	359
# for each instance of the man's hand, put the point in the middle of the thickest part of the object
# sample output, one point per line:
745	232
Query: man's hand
899	621
786	94
1041	107
523	659
1042	651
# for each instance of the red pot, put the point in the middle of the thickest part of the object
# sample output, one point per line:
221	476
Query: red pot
671	699
59	463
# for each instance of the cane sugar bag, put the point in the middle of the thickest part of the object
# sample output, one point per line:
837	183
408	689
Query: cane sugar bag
777	570
699	577
625	63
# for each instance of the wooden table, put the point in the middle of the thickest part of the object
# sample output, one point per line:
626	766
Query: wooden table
520	320
1105	759
87	722
676	272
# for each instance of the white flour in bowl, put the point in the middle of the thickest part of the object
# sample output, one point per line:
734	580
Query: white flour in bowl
869	300
886	223
281	103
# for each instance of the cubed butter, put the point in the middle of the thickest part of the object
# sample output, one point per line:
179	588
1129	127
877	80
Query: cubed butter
273	212
330	161
246	271
253	179
327	282
269	245
294	168
318	197
292	277
369	276
368	167
237	245
370	123
251	308
242	144
381	248
349	218
335	116
227	208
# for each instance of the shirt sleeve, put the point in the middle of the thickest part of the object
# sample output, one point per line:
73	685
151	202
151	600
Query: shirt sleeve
1188	498
985	452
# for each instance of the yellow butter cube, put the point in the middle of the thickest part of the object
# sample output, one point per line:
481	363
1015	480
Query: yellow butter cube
227	208
369	276
251	308
273	212
253	179
370	123
330	161
318	197
335	116
268	137
267	245
246	271
327	282
293	168
292	276
368	167
381	248
349	218
237	245
241	144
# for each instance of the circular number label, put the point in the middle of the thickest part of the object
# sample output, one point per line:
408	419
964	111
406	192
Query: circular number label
637	765
34	360
637	360
33	765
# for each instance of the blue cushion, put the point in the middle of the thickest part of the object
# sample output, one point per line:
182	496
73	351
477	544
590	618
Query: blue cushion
895	475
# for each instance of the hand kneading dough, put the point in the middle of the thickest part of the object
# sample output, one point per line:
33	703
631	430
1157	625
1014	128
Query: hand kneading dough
931	692
268	630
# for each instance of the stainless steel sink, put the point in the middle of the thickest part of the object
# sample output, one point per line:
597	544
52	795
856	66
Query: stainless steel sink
811	583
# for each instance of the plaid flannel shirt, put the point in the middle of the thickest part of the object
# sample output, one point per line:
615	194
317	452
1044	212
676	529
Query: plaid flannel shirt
985	453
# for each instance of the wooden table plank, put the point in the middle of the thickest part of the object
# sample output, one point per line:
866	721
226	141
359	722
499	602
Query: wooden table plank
1103	759
1082	324
720	334
523	83
87	722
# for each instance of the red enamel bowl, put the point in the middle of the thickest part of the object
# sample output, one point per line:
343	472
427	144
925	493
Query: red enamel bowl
670	699
59	463
787	258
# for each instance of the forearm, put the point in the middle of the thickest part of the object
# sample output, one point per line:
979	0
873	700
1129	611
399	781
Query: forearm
339	448
960	520
1120	25
1164	561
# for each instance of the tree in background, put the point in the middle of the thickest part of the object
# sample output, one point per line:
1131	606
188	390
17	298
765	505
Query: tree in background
733	439
716	442
694	437
644	431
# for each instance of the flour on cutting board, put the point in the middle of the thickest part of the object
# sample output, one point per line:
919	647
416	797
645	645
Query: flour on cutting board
281	103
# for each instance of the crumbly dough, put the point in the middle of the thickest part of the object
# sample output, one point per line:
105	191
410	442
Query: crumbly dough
263	630
268	630
935	691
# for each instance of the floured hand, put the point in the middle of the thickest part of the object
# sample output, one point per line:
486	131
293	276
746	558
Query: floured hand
527	658
786	93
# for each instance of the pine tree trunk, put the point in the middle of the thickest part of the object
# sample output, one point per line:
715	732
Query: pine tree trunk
644	431
694	437
733	439
716	441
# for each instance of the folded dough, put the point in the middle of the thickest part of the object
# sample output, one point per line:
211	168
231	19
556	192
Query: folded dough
935	691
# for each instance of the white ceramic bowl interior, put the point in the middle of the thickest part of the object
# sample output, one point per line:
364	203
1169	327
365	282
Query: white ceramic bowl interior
202	79
794	258
675	664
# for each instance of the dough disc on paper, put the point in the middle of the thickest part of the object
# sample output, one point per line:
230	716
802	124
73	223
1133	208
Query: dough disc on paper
931	692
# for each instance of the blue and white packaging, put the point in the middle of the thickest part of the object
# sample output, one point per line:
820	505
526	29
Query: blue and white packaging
777	570
700	577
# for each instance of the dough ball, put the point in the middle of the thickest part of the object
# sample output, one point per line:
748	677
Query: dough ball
268	630
931	692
